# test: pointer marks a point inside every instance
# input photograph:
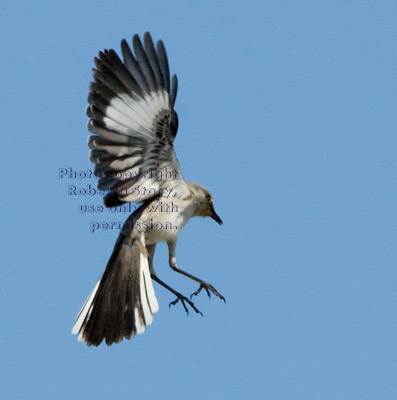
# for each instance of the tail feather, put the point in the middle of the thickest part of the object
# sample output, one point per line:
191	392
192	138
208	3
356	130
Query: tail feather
84	312
122	303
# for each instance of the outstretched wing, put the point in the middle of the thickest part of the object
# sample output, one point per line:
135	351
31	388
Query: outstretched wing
134	124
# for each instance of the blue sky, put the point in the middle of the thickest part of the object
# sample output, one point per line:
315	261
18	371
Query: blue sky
287	115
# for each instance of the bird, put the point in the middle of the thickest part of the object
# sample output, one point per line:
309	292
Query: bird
133	125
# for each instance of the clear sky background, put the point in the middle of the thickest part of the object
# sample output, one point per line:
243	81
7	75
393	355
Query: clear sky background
288	116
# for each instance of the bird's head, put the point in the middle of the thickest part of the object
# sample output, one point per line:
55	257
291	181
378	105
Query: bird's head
204	203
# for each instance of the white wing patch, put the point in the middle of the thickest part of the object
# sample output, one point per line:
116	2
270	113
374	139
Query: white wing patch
134	117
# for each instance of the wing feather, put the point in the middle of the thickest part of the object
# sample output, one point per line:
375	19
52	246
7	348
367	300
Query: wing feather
133	121
163	63
143	63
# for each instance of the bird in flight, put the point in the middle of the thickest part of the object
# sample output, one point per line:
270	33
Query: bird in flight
134	125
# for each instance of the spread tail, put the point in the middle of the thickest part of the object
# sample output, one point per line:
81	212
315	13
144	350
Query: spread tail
122	302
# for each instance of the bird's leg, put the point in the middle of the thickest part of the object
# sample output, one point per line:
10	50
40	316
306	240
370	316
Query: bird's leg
179	297
203	285
151	248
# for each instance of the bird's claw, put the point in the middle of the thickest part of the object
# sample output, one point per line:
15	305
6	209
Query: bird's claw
208	288
184	299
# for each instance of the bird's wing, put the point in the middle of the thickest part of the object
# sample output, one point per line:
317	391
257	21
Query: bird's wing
134	124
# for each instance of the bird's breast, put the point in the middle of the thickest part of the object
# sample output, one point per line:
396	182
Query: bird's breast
162	221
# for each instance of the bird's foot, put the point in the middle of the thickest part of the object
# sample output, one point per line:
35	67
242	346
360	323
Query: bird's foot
208	288
184	299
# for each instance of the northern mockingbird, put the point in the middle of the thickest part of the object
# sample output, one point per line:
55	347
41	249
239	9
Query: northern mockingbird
134	124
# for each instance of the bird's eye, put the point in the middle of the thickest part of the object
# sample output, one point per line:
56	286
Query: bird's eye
208	198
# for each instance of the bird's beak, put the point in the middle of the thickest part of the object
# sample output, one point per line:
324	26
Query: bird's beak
215	216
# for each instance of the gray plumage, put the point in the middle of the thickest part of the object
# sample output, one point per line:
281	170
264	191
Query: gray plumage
134	124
